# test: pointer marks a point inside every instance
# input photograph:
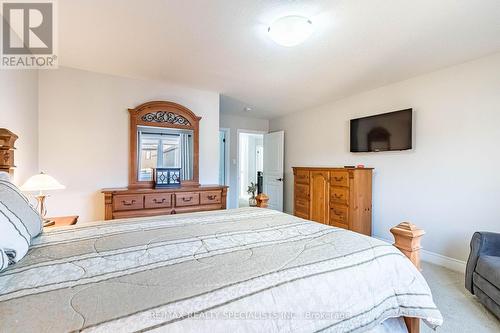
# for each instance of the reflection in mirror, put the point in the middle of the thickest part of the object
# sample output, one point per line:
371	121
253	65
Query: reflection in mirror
164	148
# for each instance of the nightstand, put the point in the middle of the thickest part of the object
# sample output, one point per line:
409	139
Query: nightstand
62	221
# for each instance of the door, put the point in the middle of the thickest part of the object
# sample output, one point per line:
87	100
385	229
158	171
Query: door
320	194
274	144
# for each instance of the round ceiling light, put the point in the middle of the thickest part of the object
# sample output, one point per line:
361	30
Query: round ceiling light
290	30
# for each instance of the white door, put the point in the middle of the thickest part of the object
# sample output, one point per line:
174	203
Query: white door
274	144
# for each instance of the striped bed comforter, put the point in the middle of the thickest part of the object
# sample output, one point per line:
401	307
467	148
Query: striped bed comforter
242	270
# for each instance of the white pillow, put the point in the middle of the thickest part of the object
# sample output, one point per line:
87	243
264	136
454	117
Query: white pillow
4	176
14	236
18	204
4	260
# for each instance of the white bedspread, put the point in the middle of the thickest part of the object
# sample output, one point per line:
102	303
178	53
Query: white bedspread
243	270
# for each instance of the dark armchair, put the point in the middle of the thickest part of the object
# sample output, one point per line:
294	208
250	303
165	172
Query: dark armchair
482	275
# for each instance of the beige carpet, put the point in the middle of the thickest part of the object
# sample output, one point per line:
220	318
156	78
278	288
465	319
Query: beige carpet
461	311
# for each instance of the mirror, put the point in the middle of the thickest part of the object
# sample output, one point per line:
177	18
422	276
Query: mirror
163	135
164	148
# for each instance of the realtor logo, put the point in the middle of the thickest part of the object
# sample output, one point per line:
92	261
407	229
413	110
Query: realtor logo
28	34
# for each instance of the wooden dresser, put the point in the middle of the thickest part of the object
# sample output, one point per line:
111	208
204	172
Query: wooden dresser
341	197
125	203
163	136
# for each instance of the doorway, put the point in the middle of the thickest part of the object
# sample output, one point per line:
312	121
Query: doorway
250	162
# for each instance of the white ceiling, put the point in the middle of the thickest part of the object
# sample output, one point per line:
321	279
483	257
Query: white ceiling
222	45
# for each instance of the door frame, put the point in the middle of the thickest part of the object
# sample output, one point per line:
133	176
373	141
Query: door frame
238	183
227	160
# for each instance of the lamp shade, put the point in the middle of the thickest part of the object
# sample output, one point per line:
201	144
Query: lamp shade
42	182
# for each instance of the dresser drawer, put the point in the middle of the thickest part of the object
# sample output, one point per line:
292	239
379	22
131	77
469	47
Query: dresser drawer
212	197
302	207
160	200
302	177
339	195
339	214
187	199
302	191
128	202
339	225
339	178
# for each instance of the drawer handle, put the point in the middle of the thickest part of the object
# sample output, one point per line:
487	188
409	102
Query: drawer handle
211	197
338	196
126	203
159	202
338	179
187	199
337	213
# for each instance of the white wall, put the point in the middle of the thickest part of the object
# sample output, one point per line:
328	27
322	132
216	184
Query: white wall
19	114
449	183
84	133
234	123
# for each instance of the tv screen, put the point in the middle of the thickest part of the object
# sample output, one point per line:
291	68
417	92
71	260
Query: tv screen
383	132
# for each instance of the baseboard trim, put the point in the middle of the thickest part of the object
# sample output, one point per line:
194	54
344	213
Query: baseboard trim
448	262
437	259
434	258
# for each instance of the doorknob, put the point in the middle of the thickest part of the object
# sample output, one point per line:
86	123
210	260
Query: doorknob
280	179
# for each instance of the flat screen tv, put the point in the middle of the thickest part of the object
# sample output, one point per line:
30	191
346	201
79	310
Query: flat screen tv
383	132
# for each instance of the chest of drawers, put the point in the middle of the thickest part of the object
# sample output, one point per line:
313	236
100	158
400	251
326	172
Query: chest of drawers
335	196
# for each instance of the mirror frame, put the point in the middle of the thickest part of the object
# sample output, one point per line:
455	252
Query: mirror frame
153	114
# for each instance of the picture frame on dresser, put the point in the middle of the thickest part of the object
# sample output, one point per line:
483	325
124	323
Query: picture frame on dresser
167	177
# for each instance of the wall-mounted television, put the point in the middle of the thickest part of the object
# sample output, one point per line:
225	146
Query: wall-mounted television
382	132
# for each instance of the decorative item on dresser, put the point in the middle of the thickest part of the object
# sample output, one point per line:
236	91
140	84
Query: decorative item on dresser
7	141
163	136
262	200
341	197
167	177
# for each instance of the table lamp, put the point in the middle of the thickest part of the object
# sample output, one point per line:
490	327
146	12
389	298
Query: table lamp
40	183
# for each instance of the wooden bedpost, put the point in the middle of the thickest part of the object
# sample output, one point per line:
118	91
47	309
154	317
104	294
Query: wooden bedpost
7	141
407	239
262	200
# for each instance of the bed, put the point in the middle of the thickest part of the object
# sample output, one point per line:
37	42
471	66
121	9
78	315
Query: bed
240	270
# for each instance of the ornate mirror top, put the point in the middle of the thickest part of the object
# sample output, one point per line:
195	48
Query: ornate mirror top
165	117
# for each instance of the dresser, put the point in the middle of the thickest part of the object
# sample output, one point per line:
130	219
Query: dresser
126	203
340	197
163	140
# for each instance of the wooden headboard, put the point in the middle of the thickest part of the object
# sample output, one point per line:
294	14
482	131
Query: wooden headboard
7	141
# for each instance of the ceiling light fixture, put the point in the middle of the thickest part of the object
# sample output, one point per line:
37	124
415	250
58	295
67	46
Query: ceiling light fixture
290	30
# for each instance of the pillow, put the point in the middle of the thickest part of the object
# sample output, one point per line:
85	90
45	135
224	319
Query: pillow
4	260
18	205
4	176
15	239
